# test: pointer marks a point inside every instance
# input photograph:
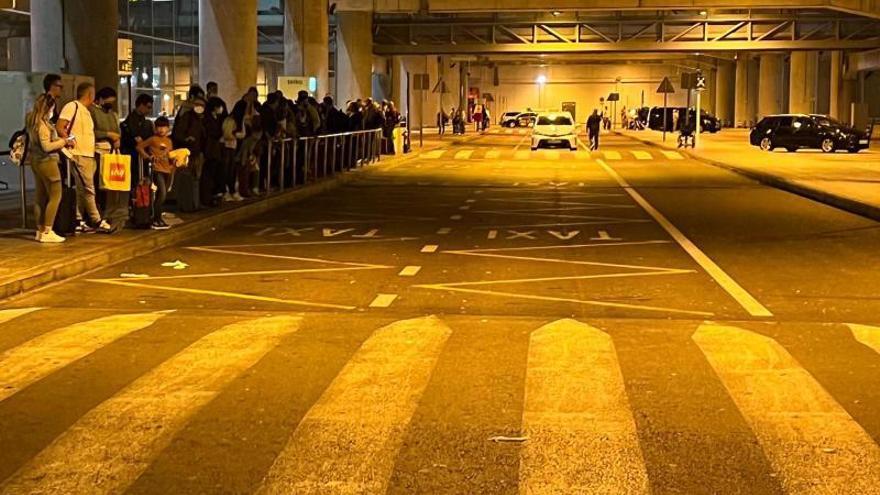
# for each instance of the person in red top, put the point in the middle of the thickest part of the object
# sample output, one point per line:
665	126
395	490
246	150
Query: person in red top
156	149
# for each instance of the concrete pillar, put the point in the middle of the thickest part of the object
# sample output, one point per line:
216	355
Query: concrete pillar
803	81
228	46
464	86
399	84
18	54
746	103
770	87
835	80
354	56
80	38
47	37
725	81
306	41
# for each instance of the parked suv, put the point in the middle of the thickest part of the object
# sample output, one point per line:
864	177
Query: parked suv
794	131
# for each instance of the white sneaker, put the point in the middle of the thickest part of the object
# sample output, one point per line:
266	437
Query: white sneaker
228	197
51	238
37	237
237	197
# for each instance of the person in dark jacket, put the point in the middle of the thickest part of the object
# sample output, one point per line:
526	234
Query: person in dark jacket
189	132
137	128
594	122
213	176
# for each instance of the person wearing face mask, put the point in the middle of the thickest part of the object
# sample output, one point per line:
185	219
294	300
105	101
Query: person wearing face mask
108	138
156	149
189	132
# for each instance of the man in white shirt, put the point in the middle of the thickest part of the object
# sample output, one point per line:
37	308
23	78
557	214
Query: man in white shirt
75	121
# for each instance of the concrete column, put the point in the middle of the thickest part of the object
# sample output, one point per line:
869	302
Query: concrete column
835	80
80	38
803	82
47	37
745	105
354	56
306	41
770	87
228	46
399	84
725	82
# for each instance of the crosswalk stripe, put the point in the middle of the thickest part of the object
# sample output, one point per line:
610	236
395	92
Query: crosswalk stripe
348	441
508	131
522	155
493	154
581	436
641	155
11	314
433	155
808	437
552	155
672	155
464	155
582	155
867	335
109	447
612	155
37	358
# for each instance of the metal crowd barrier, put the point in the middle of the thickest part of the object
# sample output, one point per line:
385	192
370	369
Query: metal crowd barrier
299	161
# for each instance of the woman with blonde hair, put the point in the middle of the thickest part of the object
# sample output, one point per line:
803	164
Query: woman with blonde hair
43	158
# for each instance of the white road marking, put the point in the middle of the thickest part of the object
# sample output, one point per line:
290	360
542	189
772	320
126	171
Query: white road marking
522	155
564	236
867	335
410	271
493	154
432	155
746	300
463	155
444	231
577	417
612	155
508	131
552	155
114	443
430	248
383	300
492	234
11	314
349	440
470	201
37	358
641	155
464	208
604	236
815	445
672	155
455	217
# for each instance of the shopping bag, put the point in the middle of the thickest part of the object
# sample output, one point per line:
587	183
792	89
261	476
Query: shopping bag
115	172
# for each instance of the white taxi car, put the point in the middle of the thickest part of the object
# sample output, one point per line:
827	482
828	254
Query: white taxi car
554	129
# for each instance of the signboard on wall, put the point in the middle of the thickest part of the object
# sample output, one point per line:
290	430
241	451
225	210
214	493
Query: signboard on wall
291	85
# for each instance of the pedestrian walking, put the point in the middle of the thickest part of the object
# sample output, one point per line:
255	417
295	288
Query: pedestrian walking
594	122
44	145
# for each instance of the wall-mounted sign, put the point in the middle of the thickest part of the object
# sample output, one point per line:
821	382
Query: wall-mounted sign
125	57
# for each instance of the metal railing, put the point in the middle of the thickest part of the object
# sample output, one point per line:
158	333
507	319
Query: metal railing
299	161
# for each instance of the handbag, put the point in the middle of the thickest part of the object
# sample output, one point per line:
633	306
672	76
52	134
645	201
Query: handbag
115	172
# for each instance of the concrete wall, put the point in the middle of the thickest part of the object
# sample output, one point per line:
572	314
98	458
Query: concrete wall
583	84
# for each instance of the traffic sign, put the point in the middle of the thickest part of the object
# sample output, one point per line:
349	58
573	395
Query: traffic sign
421	82
614	97
700	84
441	87
666	86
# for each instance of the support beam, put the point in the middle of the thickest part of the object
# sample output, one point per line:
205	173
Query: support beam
746	103
354	56
47	40
803	82
306	41
770	86
725	82
228	45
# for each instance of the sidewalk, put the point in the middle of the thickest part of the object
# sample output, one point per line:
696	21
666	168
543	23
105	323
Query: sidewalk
847	181
27	265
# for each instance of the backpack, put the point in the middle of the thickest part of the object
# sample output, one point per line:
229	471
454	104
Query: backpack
18	147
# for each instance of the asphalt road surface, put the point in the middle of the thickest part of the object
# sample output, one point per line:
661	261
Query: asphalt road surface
479	319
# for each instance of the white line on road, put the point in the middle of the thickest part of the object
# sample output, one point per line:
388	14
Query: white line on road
464	208
383	300
444	231
455	217
577	417
493	154
430	248
612	155
410	271
746	300
11	314
808	437
493	234
672	155
867	335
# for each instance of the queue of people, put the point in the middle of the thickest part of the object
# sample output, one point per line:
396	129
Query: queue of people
207	156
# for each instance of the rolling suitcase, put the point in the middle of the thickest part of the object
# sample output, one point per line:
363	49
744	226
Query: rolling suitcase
142	212
65	220
186	189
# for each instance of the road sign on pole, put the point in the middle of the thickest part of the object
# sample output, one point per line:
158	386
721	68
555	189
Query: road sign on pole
665	88
700	86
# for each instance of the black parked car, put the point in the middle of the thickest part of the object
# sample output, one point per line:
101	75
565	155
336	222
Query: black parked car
675	119
806	131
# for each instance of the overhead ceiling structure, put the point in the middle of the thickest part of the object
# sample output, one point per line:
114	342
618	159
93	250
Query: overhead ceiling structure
624	31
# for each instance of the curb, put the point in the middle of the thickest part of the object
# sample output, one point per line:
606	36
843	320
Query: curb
65	269
835	200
